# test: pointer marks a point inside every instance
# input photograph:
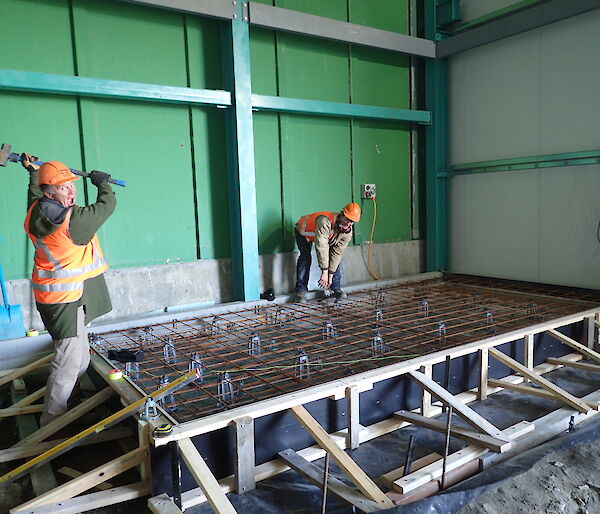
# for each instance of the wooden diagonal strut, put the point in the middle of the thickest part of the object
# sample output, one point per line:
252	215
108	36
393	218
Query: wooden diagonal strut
466	413
588	352
348	466
558	392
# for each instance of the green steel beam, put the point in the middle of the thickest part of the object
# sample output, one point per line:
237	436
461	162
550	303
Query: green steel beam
524	163
510	9
299	106
436	152
240	141
67	85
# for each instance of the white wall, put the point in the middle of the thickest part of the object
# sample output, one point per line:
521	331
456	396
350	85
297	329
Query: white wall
533	94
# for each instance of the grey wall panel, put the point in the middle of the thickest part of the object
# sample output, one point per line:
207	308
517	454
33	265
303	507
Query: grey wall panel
471	9
569	217
494	225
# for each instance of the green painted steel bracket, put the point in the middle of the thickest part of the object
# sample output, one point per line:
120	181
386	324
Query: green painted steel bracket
321	108
68	85
523	163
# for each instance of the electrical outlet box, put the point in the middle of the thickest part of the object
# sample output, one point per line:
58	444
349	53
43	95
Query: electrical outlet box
367	190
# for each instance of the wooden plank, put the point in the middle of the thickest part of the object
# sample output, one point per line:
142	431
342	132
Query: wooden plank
22	452
353	408
19	372
18	411
426	395
390	477
144	440
540	393
28	400
67	418
589	353
348	466
87	480
455	460
528	350
496	445
93	500
244	455
162	504
482	392
204	478
578	365
42	479
560	393
589	330
597	332
315	475
468	414
73	473
274	467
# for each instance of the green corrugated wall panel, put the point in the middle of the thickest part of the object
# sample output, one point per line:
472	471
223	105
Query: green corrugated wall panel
263	59
44	126
210	152
268	183
336	9
36	36
381	157
127	42
149	147
316	167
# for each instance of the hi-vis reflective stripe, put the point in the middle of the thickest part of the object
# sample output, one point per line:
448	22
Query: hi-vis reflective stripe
39	244
65	273
56	288
303	230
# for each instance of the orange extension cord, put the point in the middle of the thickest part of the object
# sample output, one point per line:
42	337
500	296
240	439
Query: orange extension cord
371	240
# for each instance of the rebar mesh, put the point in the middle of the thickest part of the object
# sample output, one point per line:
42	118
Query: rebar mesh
255	354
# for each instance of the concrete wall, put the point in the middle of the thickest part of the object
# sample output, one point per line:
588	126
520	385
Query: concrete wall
152	289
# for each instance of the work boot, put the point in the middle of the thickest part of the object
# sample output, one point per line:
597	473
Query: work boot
339	294
300	297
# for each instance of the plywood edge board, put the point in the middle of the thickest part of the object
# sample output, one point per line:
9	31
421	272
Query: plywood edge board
315	475
162	504
88	480
484	440
560	393
268	469
337	388
469	453
465	412
204	478
588	352
93	500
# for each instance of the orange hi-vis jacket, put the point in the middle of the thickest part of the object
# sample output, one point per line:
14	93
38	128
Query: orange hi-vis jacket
307	224
60	266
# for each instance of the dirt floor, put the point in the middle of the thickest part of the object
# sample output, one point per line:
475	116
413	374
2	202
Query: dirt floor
565	481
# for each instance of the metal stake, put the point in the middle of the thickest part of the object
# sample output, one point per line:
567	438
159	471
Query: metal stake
409	455
175	472
325	477
448	425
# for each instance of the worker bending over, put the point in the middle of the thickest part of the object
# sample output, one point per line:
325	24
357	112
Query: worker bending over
67	279
331	234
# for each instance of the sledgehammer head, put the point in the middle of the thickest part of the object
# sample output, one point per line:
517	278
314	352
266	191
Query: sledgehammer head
4	154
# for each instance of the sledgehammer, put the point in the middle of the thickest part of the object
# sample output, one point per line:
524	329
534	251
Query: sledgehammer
6	156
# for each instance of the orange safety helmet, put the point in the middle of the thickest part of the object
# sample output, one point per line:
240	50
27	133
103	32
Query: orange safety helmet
55	173
352	212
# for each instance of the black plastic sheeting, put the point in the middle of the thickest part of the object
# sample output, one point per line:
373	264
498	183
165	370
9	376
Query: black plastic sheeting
290	493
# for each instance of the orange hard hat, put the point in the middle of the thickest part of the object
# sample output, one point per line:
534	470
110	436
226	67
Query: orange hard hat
55	173
352	212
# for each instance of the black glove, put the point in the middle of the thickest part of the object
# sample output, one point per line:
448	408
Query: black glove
27	161
98	177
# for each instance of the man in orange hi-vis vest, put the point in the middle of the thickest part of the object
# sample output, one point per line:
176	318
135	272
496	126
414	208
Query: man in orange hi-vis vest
331	232
67	278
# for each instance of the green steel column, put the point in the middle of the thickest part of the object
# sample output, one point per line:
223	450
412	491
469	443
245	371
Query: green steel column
240	141
436	140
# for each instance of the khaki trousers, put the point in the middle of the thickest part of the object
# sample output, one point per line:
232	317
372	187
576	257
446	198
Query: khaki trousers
69	363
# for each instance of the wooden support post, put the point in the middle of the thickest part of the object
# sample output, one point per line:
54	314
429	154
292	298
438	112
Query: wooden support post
558	392
482	391
528	350
144	440
42	479
353	407
87	480
244	455
426	396
590	354
348	466
597	332
204	478
466	413
589	331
